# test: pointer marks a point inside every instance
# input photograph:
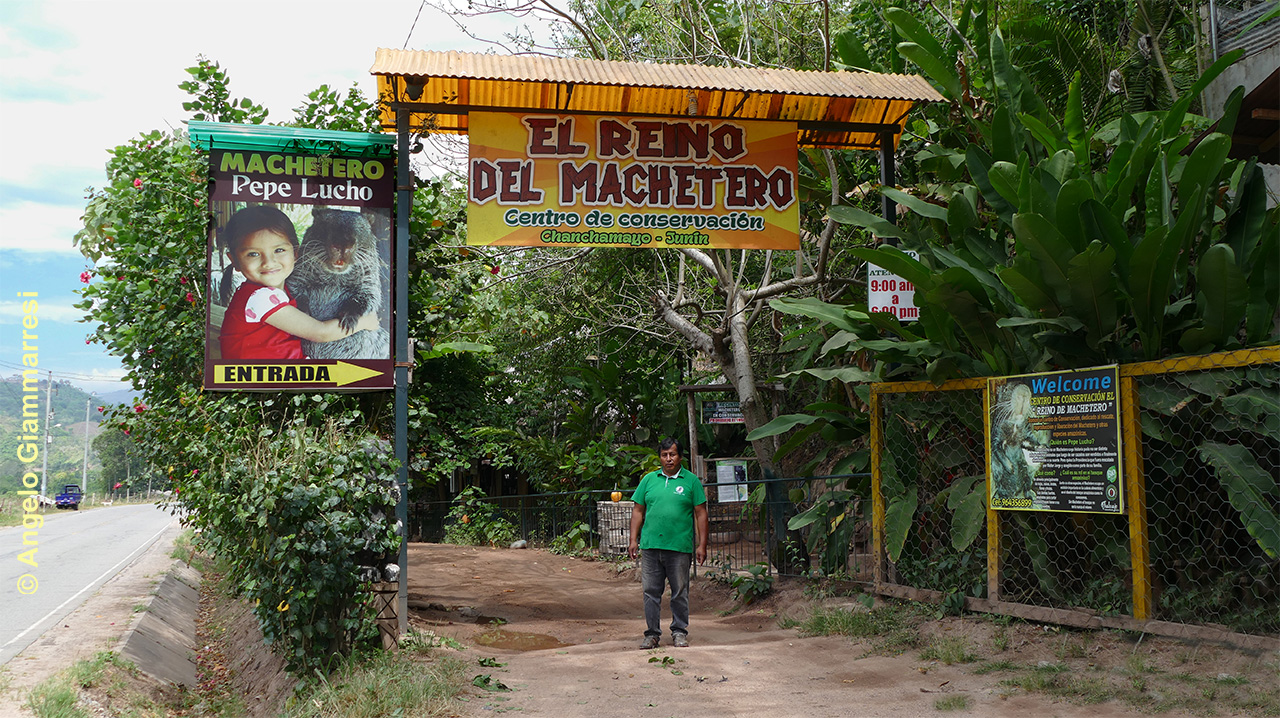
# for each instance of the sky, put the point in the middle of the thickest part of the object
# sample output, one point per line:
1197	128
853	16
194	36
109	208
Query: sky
78	78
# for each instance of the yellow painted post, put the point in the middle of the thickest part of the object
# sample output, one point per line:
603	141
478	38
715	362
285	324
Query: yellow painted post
877	499
993	516
1136	495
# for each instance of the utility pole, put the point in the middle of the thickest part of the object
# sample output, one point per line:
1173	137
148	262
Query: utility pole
84	475
48	419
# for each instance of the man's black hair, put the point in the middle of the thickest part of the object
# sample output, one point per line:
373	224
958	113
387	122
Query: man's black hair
669	442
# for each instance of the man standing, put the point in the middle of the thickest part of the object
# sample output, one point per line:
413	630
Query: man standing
671	507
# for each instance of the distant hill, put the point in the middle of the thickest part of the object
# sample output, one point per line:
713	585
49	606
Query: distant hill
66	431
120	396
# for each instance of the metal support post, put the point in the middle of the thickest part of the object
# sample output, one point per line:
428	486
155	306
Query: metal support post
888	178
404	205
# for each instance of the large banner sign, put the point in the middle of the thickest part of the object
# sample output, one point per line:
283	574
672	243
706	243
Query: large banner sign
1054	442
299	272
577	181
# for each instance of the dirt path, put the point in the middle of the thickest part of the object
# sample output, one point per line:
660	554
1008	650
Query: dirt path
583	621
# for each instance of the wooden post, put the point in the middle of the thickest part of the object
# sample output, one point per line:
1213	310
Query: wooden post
877	498
1136	494
993	516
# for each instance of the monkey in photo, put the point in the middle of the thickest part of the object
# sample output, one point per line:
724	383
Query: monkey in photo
339	276
1017	447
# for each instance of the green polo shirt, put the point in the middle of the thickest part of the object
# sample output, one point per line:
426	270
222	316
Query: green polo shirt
668	509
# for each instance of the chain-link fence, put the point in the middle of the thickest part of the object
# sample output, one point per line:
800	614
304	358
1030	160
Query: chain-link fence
1197	542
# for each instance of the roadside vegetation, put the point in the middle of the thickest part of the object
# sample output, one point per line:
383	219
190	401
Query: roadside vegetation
1142	673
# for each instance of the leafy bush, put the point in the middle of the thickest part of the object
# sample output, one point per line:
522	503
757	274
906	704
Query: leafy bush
295	516
475	522
755	583
576	539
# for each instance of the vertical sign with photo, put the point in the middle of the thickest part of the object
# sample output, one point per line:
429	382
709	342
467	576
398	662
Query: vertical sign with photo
299	272
1054	442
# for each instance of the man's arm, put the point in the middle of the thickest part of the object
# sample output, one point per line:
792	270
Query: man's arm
637	520
700	525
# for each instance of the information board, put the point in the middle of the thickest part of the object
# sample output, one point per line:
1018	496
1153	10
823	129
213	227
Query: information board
1053	442
722	412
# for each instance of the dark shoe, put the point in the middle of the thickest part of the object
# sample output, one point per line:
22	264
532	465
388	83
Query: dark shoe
679	640
649	642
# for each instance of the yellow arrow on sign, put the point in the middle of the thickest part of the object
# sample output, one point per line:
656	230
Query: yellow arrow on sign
337	374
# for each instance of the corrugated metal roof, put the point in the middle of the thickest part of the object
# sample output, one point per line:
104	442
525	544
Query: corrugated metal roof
833	109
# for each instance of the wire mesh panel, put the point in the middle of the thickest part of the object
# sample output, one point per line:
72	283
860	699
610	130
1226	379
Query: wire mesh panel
932	482
1211	448
1066	560
1199	542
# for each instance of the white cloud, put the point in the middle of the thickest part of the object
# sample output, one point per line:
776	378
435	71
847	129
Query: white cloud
36	227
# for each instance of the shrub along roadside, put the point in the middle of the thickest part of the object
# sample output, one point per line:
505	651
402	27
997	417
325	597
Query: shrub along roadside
293	517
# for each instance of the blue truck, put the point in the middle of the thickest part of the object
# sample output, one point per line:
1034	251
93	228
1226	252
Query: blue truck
69	498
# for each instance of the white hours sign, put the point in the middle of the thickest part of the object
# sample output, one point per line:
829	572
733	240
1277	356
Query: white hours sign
891	294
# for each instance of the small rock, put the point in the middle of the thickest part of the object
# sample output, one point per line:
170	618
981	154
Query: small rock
520	544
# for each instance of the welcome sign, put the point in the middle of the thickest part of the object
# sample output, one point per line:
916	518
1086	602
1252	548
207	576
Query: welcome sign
578	181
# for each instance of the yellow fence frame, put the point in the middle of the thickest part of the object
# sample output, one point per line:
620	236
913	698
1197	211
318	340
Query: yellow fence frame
1135	482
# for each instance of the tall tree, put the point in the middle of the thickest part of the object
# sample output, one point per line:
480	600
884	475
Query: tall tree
713	303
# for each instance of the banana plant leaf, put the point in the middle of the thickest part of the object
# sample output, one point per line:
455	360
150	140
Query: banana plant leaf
1251	490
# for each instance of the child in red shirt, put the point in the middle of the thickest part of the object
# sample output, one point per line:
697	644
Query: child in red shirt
263	321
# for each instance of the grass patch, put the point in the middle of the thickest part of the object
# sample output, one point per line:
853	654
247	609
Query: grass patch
894	627
385	684
56	698
113	684
185	550
949	650
952	703
10	510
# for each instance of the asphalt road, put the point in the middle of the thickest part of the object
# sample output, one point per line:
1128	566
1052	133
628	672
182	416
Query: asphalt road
76	552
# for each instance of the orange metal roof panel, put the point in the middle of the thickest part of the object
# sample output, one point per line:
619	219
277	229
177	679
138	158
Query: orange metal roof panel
455	83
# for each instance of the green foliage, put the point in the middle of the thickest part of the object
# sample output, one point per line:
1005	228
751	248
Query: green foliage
756	583
212	102
473	521
832	519
1049	237
294	515
349	113
573	541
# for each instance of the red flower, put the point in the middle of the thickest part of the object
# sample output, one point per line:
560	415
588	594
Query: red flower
191	297
118	485
84	277
126	432
102	408
182	280
120	278
88	341
137	182
140	408
495	269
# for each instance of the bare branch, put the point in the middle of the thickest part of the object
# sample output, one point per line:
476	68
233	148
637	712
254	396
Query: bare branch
699	339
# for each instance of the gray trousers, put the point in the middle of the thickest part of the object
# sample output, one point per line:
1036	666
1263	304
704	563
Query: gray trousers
658	567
